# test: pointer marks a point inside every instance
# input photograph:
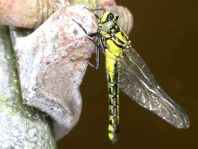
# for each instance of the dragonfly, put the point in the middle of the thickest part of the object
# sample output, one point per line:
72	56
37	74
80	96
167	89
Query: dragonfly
125	69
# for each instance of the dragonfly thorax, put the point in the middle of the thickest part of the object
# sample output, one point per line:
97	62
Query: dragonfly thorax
107	21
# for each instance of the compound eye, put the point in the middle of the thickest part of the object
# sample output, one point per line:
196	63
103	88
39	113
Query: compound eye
110	17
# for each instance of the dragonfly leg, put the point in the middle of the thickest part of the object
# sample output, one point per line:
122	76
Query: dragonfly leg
97	47
97	61
87	61
88	34
97	57
101	45
95	9
96	66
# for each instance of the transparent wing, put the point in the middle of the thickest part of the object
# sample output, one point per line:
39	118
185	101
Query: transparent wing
139	84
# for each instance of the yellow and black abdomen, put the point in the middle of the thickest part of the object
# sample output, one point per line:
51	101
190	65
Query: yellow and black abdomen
114	43
112	55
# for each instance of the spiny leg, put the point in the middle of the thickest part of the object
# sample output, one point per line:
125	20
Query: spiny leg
97	47
101	45
88	34
95	9
96	66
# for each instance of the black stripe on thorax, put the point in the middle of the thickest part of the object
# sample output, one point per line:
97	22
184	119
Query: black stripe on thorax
114	38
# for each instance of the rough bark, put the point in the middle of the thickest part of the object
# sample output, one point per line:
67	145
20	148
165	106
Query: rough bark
20	125
52	61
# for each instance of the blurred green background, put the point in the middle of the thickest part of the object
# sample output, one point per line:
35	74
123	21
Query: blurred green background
165	34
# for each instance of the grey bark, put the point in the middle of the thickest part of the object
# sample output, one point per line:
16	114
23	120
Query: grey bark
21	127
52	61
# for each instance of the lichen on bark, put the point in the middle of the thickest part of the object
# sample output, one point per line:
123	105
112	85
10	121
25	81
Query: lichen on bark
21	126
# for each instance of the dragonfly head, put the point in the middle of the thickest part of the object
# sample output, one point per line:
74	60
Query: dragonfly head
107	21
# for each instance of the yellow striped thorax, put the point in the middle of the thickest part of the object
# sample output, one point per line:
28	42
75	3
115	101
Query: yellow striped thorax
109	29
106	22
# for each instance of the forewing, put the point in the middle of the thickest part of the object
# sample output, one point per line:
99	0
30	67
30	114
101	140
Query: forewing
139	84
